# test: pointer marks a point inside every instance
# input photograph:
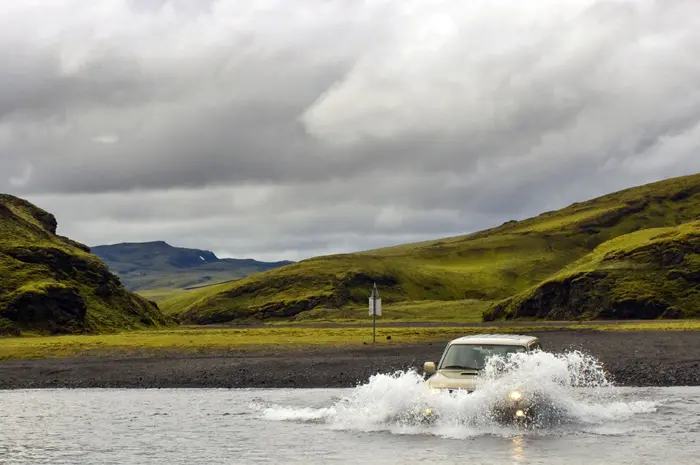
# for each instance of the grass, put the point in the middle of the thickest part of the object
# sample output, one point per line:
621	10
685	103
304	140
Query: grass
165	284
175	303
486	266
271	338
41	269
170	294
463	311
161	294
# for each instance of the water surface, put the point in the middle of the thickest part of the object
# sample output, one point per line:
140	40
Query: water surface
595	423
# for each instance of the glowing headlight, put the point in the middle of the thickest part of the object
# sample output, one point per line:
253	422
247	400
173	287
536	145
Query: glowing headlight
516	395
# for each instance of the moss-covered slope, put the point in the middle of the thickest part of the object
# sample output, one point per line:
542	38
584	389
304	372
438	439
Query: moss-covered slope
489	266
646	274
53	284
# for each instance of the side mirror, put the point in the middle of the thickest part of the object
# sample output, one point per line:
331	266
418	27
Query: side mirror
429	368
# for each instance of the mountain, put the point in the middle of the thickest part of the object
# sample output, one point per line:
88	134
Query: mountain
490	267
49	283
149	267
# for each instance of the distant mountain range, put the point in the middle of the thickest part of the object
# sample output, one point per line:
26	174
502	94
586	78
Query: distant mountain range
153	268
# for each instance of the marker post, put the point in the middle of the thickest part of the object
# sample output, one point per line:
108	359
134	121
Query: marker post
375	308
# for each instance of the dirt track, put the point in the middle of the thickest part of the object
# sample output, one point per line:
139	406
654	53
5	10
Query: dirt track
632	358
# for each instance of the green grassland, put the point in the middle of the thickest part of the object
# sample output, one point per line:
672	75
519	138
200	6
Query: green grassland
265	338
469	273
165	284
51	283
161	294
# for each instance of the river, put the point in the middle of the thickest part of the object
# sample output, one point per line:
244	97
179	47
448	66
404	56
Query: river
596	422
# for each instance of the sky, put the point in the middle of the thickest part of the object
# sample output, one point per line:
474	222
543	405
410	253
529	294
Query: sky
284	130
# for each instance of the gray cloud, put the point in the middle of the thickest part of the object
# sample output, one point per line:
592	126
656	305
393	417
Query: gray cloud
288	129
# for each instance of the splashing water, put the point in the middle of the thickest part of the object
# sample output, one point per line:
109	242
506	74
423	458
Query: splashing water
572	388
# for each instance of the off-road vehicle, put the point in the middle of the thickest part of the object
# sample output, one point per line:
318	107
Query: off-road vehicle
464	358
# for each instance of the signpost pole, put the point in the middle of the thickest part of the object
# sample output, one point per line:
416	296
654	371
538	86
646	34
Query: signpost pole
374	313
375	308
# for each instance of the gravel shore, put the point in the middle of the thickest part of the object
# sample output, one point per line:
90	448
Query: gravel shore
645	358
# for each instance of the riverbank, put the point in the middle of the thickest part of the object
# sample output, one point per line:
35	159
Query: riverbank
632	358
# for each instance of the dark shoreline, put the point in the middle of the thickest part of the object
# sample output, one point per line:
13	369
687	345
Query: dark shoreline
643	358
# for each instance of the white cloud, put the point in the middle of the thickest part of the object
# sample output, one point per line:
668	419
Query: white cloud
295	128
106	139
23	178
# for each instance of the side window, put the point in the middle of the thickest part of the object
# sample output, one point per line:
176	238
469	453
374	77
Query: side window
535	346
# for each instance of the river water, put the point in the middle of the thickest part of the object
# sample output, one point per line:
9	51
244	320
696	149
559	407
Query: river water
595	422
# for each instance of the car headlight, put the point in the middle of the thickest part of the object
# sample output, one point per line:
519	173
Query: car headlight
516	395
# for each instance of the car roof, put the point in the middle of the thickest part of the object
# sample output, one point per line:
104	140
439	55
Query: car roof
516	339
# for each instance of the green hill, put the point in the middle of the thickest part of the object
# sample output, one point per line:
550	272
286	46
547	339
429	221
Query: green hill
472	271
156	269
650	273
49	283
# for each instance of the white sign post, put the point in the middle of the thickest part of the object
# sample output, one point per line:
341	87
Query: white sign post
375	308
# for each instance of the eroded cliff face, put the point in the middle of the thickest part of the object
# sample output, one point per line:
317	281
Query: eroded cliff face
658	277
54	308
585	296
51	283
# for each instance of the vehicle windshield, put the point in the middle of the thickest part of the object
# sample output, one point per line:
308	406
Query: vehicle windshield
474	356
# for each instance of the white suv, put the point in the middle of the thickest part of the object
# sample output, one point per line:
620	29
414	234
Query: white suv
464	358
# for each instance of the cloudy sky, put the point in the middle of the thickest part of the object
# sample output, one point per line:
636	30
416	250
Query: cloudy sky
281	130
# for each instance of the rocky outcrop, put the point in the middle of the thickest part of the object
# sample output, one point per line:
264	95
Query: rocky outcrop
583	296
56	309
343	289
9	328
636	277
52	284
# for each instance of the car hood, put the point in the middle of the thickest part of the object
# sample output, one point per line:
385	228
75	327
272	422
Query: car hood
453	380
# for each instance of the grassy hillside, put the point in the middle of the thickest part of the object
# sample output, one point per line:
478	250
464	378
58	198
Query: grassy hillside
51	283
487	266
157	269
650	273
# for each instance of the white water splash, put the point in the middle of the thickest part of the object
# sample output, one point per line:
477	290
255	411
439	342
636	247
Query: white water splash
573	386
296	414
